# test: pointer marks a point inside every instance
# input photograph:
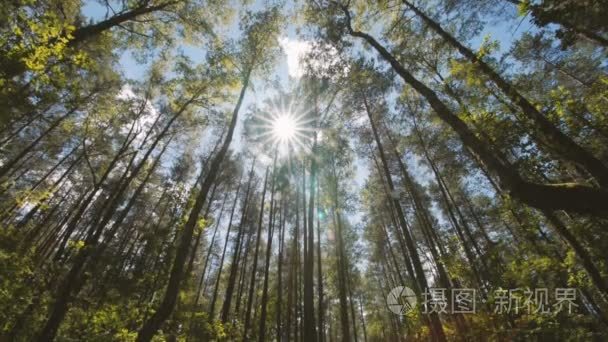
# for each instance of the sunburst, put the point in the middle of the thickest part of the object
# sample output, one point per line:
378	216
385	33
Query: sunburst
286	127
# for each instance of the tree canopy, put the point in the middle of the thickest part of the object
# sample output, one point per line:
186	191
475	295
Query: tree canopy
315	170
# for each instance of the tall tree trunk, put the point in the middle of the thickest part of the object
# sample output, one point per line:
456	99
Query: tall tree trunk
84	204
242	274
569	197
32	236
363	325
450	209
279	305
209	251
33	233
556	139
255	260
388	204
264	303
271	218
310	333
290	289
297	265
199	234
391	253
235	256
320	274
304	252
341	262
101	219
219	271
151	325
434	321
351	299
342	295
422	216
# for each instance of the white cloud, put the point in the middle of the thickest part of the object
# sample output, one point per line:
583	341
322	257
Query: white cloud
295	51
148	117
326	62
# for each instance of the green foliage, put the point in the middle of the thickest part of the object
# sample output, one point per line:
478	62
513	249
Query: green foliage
523	8
111	321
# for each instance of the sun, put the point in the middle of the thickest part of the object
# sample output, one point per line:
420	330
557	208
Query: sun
284	128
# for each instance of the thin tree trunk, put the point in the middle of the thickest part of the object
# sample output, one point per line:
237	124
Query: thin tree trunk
32	234
271	218
341	277
310	333
320	274
351	298
290	288
83	205
434	321
255	260
279	306
297	265
6	167
264	310
235	256
209	251
304	250
199	236
242	274
341	262
219	271
362	318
